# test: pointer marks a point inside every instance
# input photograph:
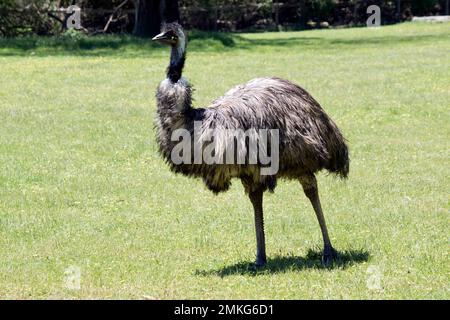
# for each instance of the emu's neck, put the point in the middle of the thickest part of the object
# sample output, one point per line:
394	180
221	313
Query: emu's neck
174	95
177	58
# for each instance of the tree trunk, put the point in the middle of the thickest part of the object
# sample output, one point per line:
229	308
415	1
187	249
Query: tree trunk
151	13
170	12
147	18
399	10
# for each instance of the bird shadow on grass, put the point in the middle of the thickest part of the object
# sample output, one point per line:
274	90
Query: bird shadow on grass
280	264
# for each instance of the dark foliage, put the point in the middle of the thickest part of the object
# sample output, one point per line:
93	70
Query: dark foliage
42	17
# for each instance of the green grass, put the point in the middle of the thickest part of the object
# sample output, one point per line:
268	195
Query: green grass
81	183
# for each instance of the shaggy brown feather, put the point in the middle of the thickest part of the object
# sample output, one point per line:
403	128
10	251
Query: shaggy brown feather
309	139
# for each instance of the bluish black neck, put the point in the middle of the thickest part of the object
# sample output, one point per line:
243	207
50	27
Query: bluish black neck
175	69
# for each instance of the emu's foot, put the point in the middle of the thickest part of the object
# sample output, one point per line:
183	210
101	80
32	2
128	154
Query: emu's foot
329	255
260	262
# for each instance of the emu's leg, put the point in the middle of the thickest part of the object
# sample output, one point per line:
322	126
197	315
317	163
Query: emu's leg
256	197
309	184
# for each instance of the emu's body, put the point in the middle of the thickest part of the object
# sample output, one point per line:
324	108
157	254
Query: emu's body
308	139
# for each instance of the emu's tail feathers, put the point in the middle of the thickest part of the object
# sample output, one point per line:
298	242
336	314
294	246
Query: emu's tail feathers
339	162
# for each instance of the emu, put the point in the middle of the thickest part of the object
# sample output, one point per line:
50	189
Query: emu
309	140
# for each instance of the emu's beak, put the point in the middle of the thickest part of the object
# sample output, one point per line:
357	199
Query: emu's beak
160	37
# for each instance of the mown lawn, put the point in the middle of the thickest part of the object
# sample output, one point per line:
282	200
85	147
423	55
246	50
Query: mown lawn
82	186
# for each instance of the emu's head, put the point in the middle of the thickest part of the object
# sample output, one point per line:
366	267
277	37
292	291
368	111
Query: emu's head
172	34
